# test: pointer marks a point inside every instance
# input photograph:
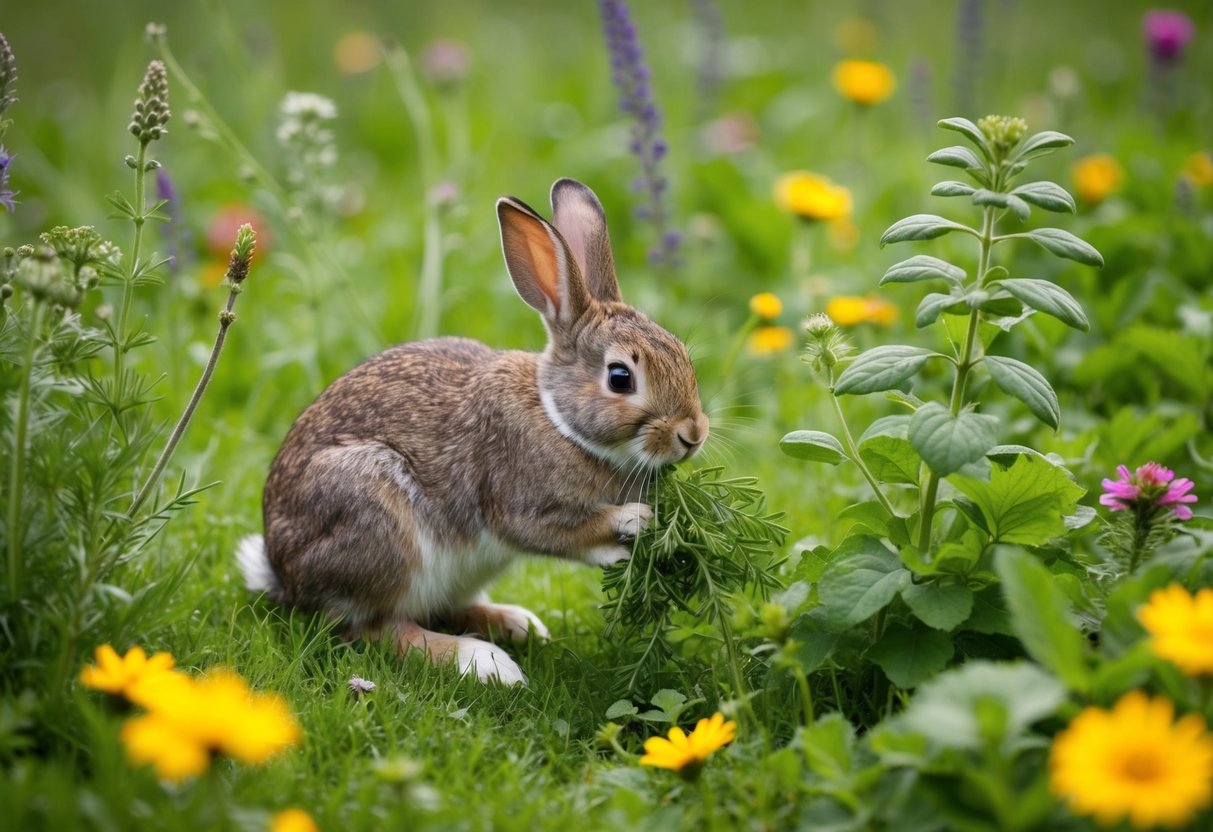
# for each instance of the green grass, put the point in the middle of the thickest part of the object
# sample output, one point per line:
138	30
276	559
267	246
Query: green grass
538	106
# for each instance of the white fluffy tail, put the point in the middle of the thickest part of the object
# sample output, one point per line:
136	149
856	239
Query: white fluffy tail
255	566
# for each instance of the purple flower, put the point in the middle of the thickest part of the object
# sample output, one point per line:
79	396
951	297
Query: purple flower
6	195
1148	488
176	234
1167	33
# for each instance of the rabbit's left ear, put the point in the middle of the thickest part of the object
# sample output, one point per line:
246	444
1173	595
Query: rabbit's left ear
578	216
541	265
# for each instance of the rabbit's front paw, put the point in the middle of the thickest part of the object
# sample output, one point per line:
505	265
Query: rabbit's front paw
604	556
631	519
488	661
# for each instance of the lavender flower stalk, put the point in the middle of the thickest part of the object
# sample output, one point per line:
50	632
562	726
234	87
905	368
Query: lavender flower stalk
631	76
176	234
8	97
970	43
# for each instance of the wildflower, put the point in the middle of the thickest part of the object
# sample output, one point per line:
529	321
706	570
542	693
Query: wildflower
225	224
190	720
7	195
1148	489
731	134
151	107
8	76
359	686
1198	168
768	340
309	149
242	255
293	820
812	197
686	753
847	310
864	82
1167	34
356	52
446	63
119	675
1181	626
1003	132
766	305
1095	177
1134	762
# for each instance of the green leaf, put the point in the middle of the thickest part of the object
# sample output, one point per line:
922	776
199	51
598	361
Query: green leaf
922	227
1063	244
1049	298
957	156
990	614
909	656
621	708
813	646
1040	616
970	131
984	196
869	516
1047	195
946	442
942	606
947	708
813	445
1042	143
891	459
829	747
1018	207
1027	385
923	267
855	588
1025	503
933	305
123	209
881	368
951	187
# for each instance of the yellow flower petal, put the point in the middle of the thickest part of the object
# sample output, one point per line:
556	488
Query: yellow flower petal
848	310
117	675
767	340
766	305
1096	177
293	820
680	750
159	741
1198	167
811	196
864	82
1181	626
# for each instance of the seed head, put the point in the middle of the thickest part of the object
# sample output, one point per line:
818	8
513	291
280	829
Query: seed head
1004	132
242	255
151	106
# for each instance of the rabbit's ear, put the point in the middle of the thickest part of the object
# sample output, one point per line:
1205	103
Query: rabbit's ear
540	264
578	216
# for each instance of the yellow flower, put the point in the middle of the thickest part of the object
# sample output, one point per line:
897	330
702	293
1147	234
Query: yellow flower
1134	761
811	196
293	820
357	52
687	753
847	310
1096	177
864	82
767	340
120	674
189	720
766	305
1182	627
1199	168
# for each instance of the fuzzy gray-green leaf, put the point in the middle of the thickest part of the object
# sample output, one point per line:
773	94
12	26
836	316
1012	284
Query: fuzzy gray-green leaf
923	267
1026	384
1047	195
1042	143
813	445
922	227
1064	244
951	188
932	306
969	130
881	368
956	156
1049	298
947	443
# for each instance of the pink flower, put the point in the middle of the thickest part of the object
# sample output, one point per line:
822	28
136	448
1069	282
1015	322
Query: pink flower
1167	33
1150	486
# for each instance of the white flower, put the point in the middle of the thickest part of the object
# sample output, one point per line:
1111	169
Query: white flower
305	105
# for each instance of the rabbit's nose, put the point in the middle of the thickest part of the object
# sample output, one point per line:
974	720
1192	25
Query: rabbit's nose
687	443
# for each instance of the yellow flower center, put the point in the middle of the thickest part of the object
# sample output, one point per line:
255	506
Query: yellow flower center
1142	765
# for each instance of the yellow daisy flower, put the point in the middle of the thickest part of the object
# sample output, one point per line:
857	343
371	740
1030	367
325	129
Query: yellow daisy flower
1096	177
768	340
811	196
1198	167
1181	625
847	310
1134	762
293	820
766	305
119	674
864	82
686	753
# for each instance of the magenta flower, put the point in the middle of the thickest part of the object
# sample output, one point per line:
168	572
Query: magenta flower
1149	487
1167	33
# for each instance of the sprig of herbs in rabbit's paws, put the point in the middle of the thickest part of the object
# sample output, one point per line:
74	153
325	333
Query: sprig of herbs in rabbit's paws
710	538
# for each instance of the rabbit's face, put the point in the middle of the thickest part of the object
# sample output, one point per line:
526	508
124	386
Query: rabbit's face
624	388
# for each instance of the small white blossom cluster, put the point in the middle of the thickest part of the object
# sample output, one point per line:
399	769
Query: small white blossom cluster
310	148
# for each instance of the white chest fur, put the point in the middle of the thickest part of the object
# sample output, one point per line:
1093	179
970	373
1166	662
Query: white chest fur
450	577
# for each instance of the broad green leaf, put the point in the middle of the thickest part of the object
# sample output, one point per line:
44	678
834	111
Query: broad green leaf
881	368
621	708
923	267
1047	195
869	516
990	614
957	156
942	606
1063	244
829	747
933	305
1049	298
855	588
951	187
1040	616
1027	385
891	459
813	647
910	655
946	708
1042	143
922	227
947	442
895	425
1025	503
813	445
970	131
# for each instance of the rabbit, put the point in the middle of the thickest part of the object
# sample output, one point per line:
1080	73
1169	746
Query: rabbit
419	475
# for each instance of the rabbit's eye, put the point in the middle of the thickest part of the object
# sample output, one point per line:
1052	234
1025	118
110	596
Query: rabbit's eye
619	379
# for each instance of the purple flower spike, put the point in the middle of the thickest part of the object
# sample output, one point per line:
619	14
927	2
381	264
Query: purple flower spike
7	196
1167	33
1149	488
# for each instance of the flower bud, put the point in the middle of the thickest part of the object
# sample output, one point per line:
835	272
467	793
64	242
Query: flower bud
151	106
242	255
1003	132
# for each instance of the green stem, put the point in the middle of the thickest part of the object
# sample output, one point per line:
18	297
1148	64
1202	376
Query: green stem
837	688
225	320
963	366
806	695
128	286
853	451
16	490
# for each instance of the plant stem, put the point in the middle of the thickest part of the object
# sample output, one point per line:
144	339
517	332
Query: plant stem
963	365
806	695
225	320
128	286
853	451
16	488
